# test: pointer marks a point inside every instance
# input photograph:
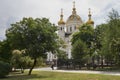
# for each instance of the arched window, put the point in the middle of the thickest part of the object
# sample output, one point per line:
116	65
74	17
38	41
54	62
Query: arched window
75	27
70	29
61	28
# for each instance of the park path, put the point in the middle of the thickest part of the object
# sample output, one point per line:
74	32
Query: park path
79	71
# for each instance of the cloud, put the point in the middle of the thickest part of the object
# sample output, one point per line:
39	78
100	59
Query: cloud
14	10
102	8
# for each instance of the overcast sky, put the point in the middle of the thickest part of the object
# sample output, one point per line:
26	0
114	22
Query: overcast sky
14	10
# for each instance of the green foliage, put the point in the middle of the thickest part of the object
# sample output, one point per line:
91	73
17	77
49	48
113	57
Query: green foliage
26	62
36	36
5	68
85	34
101	32
41	62
108	38
19	60
5	51
83	43
79	50
62	54
62	44
15	60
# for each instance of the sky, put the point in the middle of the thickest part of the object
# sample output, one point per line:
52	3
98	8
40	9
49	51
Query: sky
12	11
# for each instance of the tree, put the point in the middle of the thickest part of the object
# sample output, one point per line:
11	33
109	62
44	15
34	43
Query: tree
113	35
5	51
79	51
84	36
5	56
5	69
19	60
100	41
61	54
107	39
15	60
36	36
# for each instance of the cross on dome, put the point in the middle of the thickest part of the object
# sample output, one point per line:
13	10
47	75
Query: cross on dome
61	11
73	4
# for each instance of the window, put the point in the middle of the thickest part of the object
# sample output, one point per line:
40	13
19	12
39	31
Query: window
70	28
61	28
75	27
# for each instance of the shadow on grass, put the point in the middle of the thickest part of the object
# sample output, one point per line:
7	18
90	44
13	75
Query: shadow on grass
19	76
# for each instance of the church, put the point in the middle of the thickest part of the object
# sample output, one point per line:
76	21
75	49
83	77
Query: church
67	28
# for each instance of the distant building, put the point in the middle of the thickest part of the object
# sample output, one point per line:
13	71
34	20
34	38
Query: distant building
66	29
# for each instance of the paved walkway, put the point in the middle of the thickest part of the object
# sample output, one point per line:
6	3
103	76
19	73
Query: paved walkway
79	71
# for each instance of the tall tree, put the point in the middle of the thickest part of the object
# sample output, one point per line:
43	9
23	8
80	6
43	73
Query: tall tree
101	32
114	35
108	35
79	51
36	36
85	37
86	34
5	51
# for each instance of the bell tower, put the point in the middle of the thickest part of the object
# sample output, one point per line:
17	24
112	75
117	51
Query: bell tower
90	21
61	26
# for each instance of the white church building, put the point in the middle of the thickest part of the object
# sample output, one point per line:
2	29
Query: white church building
67	28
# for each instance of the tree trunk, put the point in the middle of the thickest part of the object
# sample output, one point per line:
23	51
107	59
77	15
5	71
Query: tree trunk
35	61
22	70
102	62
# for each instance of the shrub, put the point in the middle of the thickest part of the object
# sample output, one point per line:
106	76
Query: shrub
5	68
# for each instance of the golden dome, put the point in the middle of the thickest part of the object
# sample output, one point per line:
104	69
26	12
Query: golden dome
74	17
61	18
61	22
90	21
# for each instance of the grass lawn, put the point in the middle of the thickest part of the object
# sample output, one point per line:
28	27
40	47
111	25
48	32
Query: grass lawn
44	75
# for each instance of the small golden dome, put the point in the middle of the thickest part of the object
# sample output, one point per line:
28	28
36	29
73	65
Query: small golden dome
61	18
61	22
90	21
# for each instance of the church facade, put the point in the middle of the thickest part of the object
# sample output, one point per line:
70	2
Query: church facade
67	28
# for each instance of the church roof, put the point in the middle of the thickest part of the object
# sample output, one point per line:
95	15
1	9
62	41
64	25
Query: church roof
74	17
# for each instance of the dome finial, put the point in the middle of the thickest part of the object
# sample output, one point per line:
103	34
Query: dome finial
61	18
61	11
89	15
89	11
89	18
74	9
73	4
